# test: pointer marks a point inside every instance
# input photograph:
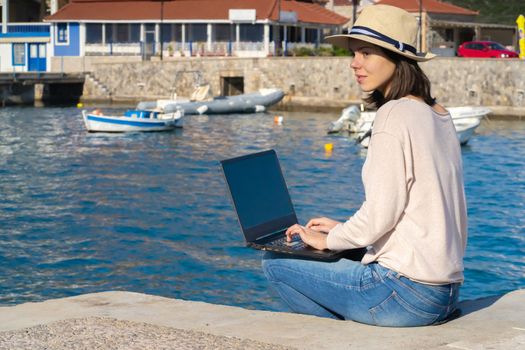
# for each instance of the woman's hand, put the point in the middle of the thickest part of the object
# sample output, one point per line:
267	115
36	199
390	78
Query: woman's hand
321	224
311	237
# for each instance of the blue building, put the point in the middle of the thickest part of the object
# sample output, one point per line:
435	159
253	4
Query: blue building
25	47
24	38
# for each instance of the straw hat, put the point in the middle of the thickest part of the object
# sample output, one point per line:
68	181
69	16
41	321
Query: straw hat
386	26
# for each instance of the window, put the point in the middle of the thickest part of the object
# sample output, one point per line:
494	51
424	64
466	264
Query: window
134	33
127	33
62	33
197	32
294	35
449	35
33	51
19	54
93	33
251	32
310	35
171	32
276	33
474	46
223	32
496	46
122	33
109	32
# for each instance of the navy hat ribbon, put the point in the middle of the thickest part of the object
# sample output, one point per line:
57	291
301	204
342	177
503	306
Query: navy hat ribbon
374	34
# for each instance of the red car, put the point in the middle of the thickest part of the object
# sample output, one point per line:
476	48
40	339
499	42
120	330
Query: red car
485	49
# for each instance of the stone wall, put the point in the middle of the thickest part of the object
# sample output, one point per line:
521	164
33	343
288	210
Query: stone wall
318	81
74	64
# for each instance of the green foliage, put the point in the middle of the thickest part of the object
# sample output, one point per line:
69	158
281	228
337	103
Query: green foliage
341	52
493	11
321	51
325	51
302	51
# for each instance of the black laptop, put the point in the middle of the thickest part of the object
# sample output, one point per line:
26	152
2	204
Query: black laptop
263	205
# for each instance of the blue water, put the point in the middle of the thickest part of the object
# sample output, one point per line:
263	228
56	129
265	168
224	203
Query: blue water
149	213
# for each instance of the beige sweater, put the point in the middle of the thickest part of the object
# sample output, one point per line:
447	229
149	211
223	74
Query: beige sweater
414	217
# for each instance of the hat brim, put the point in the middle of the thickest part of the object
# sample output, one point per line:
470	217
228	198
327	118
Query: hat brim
343	41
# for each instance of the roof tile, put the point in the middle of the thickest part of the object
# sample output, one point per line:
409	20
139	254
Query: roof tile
149	10
430	6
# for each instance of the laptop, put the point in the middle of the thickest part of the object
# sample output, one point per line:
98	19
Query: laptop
263	205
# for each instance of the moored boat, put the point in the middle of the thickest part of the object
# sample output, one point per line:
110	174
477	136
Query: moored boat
466	119
246	103
131	121
465	128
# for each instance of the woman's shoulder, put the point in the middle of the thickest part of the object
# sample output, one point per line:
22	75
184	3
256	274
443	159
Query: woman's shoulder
395	112
399	116
402	106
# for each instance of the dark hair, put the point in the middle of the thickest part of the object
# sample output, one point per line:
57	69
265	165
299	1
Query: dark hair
408	79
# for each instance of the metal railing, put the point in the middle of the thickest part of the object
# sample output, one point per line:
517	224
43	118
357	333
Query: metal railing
128	49
179	49
28	28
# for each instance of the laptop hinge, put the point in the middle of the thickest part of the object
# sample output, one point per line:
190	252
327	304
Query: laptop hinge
271	234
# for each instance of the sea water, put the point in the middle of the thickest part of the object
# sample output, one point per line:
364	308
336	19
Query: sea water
149	212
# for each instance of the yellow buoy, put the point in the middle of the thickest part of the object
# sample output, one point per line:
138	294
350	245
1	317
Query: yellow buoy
329	147
80	105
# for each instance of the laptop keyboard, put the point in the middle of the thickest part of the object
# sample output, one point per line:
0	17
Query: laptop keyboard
296	243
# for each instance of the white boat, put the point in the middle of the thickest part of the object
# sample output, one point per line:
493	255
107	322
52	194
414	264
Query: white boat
466	120
133	120
246	103
465	128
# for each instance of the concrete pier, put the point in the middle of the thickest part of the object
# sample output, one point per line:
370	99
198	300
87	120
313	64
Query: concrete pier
125	320
36	87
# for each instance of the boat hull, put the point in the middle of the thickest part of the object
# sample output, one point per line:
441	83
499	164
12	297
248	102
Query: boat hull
246	103
104	123
465	129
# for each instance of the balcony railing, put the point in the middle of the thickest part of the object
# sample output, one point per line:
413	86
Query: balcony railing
114	49
188	49
27	30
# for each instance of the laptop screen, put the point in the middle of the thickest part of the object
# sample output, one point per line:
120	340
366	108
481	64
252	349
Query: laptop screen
259	194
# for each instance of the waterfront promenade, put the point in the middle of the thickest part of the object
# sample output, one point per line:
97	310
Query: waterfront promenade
125	320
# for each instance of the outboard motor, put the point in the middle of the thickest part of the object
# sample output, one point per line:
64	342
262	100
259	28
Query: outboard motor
350	115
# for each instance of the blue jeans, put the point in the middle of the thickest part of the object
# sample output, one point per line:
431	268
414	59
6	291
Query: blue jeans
349	290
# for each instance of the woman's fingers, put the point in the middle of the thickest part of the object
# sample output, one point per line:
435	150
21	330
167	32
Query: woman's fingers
321	224
318	224
314	238
311	237
292	231
313	222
